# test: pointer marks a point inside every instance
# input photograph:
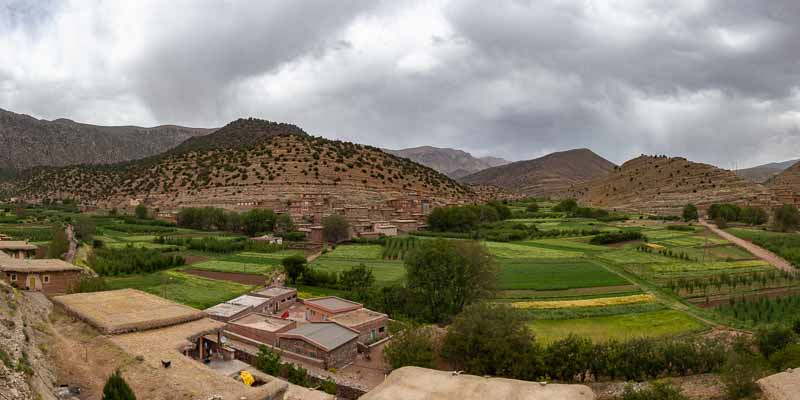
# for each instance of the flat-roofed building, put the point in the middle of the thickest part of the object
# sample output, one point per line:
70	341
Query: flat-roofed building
18	248
257	303
260	328
47	276
227	311
371	325
324	344
281	298
323	308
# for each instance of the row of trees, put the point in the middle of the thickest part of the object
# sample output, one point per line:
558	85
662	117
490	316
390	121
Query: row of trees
466	218
255	221
724	213
131	260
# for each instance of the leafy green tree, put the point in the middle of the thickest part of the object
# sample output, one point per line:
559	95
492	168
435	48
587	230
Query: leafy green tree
740	372
117	389
414	346
59	245
493	339
532	208
566	206
773	339
690	212
284	223
569	358
786	218
84	228
357	281
503	211
754	216
447	275
789	357
294	266
258	220
141	211
267	361
335	228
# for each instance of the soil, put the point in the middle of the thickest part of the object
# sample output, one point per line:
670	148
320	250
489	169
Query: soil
246	279
699	387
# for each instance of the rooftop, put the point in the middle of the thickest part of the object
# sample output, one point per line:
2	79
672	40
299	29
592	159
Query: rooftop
247	300
274	291
333	304
28	265
357	317
262	322
328	335
226	310
16	245
126	310
422	383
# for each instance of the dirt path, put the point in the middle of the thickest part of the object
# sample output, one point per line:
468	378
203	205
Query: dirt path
246	279
756	250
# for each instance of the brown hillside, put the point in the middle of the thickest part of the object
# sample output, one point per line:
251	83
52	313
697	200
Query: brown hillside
663	185
763	173
786	185
247	163
551	175
27	142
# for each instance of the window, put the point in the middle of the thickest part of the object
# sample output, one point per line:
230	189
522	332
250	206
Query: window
13	277
381	329
46	279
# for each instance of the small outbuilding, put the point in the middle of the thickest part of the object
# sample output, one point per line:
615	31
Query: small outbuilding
323	308
18	248
371	325
225	312
281	298
260	328
323	344
47	276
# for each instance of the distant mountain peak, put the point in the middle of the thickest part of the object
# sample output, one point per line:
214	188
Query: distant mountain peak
454	163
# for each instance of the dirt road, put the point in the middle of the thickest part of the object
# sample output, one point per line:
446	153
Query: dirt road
756	250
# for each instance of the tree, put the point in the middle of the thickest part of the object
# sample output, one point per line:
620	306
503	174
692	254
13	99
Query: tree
740	372
532	208
267	361
413	346
258	220
335	228
492	339
284	223
569	357
140	211
357	281
786	218
773	339
117	389
690	212
447	275
59	245
84	228
754	216
566	206
294	266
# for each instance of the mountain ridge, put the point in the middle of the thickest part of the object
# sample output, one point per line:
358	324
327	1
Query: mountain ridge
763	173
454	163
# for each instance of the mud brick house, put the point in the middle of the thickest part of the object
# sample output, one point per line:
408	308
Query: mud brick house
405	225
385	229
280	298
256	303
18	248
371	325
323	344
225	312
323	308
260	328
47	276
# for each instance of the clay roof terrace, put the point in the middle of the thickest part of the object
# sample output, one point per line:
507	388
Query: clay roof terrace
333	304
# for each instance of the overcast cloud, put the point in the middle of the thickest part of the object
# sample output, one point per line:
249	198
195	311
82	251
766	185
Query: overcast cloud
715	81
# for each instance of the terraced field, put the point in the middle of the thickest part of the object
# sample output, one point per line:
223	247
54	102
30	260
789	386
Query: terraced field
347	256
618	327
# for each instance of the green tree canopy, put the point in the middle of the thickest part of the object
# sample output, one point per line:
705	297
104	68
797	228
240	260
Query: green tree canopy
284	223
567	206
357	281
414	346
335	228
690	212
448	275
59	245
258	220
787	218
493	339
141	211
294	266
117	389
84	228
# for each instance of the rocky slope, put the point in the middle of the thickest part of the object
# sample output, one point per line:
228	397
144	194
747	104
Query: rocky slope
29	142
451	162
663	185
246	161
548	176
786	185
762	173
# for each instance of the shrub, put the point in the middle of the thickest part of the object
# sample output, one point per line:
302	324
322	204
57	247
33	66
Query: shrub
616	237
131	260
773	339
786	218
294	266
656	391
414	346
567	206
117	389
690	212
789	357
89	284
267	361
740	372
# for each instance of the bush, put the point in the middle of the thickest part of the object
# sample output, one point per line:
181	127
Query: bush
131	260
294	266
267	361
740	373
617	237
690	212
89	284
566	206
117	389
789	357
787	218
656	391
773	339
335	228
414	346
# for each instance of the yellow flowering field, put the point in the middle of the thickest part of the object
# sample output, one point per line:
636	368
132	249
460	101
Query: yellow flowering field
601	302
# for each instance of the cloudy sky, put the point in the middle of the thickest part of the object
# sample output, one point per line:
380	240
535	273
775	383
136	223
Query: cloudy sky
715	81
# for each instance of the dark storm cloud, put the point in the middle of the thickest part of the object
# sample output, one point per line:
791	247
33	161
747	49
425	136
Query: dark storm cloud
715	81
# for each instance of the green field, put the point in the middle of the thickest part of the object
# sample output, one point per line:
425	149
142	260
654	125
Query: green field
345	257
518	251
558	274
617	327
191	290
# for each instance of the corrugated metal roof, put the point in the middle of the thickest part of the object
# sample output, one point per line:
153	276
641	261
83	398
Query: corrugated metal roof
327	334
